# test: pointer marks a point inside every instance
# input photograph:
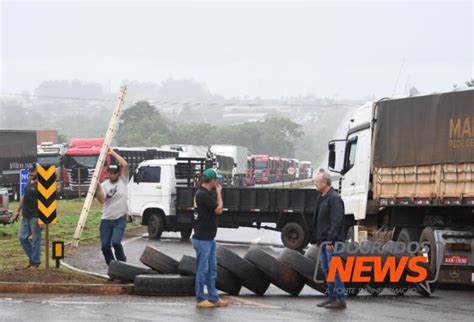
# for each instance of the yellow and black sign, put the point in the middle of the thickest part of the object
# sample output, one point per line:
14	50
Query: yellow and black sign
47	194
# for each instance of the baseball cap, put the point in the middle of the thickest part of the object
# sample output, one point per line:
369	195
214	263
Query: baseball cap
211	174
113	168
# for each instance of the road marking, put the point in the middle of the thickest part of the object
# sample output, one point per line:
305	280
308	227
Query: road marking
251	303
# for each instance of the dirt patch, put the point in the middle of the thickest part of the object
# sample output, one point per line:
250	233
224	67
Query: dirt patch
53	275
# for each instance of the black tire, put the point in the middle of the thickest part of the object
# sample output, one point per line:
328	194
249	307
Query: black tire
125	272
294	236
250	276
408	235
428	243
225	282
186	233
159	261
305	267
170	285
278	273
312	253
374	291
155	226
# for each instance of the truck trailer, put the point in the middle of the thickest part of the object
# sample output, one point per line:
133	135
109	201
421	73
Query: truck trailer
408	175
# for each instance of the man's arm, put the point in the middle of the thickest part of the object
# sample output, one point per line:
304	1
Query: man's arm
220	203
100	194
16	214
121	161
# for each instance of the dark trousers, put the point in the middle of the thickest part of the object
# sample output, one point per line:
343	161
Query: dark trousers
111	235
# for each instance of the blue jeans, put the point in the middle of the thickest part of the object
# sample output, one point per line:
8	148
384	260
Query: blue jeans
30	226
206	269
111	234
335	288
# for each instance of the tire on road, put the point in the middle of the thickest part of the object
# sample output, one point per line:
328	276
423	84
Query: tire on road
170	285
125	272
159	261
225	282
303	266
278	273
427	239
294	236
250	276
155	226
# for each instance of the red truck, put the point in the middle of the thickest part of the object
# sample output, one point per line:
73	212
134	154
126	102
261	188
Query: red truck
262	169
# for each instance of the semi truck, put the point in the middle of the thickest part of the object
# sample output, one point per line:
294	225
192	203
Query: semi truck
17	152
158	200
239	155
81	157
50	153
408	175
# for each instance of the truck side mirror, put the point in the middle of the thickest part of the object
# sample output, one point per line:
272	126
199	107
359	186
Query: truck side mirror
332	155
136	179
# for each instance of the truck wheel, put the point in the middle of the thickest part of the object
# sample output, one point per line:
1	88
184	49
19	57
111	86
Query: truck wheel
186	233
427	240
170	285
251	277
158	261
293	236
278	273
155	226
304	266
125	272
407	235
225	282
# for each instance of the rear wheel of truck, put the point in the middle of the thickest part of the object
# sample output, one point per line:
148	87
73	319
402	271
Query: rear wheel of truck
170	285
294	236
186	233
155	226
408	235
251	277
278	273
159	261
125	272
428	244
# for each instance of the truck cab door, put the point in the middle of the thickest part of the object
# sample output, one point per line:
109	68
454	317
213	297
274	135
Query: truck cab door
145	187
355	180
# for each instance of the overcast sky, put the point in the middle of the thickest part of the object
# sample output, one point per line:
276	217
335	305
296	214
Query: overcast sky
268	49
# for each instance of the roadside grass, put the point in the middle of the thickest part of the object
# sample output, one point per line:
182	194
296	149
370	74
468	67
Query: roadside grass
11	252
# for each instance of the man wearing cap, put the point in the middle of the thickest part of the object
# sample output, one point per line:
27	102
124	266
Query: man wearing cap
113	194
205	229
29	225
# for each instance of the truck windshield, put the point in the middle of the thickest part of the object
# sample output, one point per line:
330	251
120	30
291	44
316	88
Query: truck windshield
49	160
88	161
261	164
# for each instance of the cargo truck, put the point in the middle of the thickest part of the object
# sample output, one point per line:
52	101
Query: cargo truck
239	154
50	153
17	152
408	175
158	200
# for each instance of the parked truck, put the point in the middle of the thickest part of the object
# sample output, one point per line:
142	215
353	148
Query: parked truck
17	152
239	156
158	201
50	153
82	155
408	175
5	215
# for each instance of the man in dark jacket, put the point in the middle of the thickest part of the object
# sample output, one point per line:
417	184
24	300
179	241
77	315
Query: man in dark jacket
328	228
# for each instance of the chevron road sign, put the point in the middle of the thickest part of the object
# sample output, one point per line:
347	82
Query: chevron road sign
47	194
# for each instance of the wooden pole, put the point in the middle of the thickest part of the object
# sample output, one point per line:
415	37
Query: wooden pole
98	168
46	246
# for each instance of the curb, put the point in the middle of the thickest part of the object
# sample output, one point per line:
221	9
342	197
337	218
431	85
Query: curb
57	288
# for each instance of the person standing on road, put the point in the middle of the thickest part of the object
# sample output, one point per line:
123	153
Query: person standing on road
113	194
29	225
328	226
205	230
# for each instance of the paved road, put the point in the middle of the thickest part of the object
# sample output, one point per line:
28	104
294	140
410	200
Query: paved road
276	305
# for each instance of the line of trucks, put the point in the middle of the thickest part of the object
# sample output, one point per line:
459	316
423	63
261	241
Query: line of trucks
75	163
406	173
